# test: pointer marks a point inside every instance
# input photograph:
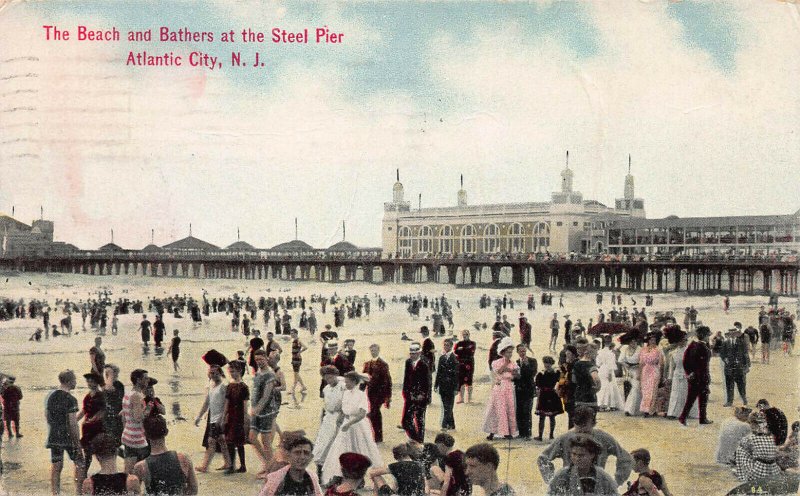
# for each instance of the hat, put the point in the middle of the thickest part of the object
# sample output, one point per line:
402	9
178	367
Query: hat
504	343
214	357
354	464
674	334
94	376
630	336
151	382
332	343
327	326
414	348
653	334
566	316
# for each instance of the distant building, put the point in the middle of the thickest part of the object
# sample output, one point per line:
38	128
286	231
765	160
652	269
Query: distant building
570	224
561	225
23	240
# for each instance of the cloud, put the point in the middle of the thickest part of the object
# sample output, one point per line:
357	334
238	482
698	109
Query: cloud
490	96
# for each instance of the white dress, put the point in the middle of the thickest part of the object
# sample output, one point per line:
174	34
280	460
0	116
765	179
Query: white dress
357	439
609	395
629	358
680	386
330	422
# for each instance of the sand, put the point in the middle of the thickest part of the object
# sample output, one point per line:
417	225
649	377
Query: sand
684	455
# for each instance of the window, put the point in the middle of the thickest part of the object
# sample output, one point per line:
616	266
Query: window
425	242
491	239
446	240
405	241
574	224
468	239
541	237
559	224
516	238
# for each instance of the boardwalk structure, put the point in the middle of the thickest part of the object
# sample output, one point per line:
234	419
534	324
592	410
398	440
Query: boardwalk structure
608	272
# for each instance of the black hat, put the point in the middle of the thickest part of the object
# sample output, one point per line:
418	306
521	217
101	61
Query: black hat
674	334
214	357
95	377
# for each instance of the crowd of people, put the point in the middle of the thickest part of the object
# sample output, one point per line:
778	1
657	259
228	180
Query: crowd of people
659	369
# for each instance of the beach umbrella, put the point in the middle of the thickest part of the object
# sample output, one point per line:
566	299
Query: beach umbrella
609	328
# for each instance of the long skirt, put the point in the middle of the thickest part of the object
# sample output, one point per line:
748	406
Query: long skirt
634	397
609	395
357	439
677	397
325	436
501	412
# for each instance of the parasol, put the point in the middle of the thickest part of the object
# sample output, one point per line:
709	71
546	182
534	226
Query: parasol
609	328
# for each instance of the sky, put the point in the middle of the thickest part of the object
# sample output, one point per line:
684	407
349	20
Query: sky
704	96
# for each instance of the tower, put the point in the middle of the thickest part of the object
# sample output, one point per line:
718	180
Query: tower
566	178
392	212
462	194
629	182
397	190
629	204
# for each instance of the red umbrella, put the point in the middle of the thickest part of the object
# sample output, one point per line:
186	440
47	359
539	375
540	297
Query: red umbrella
609	328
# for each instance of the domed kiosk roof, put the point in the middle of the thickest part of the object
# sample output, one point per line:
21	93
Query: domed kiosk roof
240	245
191	243
110	247
294	245
343	246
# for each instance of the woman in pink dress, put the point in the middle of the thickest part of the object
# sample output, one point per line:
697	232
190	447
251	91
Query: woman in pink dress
651	362
501	412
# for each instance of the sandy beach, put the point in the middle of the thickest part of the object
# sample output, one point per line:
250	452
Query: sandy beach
684	455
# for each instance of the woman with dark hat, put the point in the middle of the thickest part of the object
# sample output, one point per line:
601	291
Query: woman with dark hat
680	386
651	362
93	411
353	467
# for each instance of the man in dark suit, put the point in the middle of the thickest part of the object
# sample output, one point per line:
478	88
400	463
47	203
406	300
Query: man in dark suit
416	393
696	360
446	383
733	352
379	390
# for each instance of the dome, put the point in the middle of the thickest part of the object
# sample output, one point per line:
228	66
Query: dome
343	246
294	245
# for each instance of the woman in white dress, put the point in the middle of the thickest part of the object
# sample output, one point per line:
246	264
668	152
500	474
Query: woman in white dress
609	397
355	433
332	415
629	358
680	386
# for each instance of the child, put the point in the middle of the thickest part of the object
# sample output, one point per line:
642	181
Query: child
549	404
648	481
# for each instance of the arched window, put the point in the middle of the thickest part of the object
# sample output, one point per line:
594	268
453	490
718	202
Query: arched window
541	237
491	239
425	240
468	241
404	238
516	238
446	240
